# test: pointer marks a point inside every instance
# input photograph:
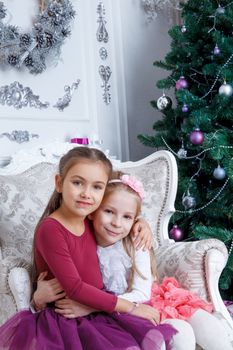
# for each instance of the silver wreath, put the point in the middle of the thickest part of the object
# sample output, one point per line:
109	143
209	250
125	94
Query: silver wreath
32	49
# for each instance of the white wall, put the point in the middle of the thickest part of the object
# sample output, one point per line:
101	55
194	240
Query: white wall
143	43
132	48
87	115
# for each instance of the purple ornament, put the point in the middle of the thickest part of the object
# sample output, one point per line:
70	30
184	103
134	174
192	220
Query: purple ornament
176	233
185	108
181	83
216	50
197	137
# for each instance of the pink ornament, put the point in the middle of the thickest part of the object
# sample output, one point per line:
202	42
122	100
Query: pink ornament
176	233
197	137
181	83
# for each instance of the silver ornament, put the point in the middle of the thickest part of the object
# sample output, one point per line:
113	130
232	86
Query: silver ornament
16	96
182	153
220	10
219	173
66	99
103	53
188	201
183	29
164	103
225	89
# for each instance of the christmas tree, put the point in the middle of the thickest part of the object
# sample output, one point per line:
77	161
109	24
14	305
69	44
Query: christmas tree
198	126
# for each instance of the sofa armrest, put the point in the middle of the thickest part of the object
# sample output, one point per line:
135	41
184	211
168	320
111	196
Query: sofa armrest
197	266
20	287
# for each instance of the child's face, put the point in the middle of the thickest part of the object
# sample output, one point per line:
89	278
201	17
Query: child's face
83	187
115	217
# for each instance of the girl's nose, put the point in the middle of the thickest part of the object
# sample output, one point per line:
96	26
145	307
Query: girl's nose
116	221
85	193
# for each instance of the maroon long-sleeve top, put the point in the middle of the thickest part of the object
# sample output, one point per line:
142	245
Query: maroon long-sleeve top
74	262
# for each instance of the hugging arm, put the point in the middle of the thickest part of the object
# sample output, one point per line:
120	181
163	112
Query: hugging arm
70	308
141	287
141	234
47	291
57	255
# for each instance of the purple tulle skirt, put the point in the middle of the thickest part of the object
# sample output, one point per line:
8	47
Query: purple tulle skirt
47	330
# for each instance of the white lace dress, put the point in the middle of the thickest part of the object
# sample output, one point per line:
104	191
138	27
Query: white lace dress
115	267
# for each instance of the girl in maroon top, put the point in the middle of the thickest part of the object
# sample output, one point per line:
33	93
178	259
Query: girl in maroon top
65	247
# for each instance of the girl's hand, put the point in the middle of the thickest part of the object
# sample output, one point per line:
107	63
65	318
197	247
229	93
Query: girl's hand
147	312
142	235
71	309
47	291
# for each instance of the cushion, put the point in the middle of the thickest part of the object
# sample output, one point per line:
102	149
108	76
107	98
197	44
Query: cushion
23	198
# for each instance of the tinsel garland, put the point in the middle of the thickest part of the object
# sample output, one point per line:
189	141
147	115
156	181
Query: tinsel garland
33	49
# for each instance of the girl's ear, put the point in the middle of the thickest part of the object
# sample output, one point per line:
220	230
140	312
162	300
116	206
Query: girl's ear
58	183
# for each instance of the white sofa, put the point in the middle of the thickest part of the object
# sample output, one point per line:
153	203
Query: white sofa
25	186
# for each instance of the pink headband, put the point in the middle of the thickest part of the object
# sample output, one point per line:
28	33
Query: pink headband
132	182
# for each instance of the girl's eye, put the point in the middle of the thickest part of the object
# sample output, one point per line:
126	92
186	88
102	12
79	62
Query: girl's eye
98	187
108	211
77	183
128	217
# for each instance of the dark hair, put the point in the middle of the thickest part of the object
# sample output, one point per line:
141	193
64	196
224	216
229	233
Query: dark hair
67	161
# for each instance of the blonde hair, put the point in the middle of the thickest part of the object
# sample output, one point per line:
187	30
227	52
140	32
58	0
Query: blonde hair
113	186
127	241
130	250
71	158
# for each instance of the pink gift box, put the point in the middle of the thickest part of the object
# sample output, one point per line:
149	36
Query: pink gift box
80	140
